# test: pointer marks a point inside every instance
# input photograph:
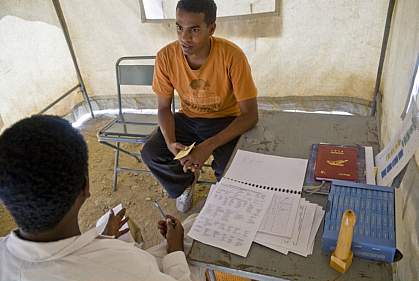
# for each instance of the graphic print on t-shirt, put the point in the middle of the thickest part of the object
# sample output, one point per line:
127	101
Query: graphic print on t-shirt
213	91
202	98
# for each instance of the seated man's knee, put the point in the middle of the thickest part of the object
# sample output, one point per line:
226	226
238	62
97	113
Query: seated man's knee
146	153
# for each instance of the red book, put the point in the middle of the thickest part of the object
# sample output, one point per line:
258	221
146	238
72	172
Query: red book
336	162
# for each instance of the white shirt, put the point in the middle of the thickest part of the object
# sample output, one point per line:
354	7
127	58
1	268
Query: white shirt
85	257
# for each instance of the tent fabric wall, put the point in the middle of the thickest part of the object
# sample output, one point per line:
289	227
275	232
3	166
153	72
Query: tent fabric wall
35	64
314	48
399	66
402	51
327	48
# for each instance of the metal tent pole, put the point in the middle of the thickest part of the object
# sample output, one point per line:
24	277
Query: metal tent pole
63	24
382	55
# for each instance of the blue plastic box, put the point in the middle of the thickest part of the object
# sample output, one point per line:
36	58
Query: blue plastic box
374	233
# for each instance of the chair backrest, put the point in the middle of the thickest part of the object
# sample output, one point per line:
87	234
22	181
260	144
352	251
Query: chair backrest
135	73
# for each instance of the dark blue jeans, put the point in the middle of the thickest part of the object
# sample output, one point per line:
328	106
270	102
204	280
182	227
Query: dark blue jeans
169	172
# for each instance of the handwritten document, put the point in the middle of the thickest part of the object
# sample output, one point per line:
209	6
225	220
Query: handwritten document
230	218
282	177
259	199
280	217
305	228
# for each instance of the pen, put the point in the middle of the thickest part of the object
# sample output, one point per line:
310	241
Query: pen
162	214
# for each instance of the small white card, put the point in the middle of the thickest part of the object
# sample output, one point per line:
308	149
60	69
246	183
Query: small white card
103	220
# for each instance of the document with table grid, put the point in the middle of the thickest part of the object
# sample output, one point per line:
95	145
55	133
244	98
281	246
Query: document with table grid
259	199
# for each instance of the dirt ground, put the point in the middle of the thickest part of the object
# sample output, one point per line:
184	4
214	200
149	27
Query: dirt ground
135	191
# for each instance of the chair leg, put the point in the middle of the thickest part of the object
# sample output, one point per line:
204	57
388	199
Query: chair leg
116	168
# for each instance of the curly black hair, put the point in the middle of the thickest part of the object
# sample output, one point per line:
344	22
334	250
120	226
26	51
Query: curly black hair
43	168
207	7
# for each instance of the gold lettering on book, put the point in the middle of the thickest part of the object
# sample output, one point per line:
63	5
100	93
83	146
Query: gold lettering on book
336	151
338	163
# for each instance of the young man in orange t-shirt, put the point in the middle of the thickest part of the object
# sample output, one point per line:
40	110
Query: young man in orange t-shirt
218	101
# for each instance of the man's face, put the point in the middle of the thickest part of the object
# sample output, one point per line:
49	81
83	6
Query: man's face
192	31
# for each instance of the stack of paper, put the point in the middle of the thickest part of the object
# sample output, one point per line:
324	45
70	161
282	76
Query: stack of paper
301	241
230	218
259	199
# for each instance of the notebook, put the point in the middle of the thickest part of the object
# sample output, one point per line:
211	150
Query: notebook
259	193
336	162
282	177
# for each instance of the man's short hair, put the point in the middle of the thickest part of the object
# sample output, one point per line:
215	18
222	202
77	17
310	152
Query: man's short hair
43	169
207	7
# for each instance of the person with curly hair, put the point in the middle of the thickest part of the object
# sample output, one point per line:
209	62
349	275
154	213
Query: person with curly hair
44	183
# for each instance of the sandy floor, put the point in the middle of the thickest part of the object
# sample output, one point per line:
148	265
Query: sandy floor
135	192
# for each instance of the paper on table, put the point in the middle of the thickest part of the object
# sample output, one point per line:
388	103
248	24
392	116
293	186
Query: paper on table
230	218
277	248
267	170
283	177
301	235
318	217
300	244
281	215
369	165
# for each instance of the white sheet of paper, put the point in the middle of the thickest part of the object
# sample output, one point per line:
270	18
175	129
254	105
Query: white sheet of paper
268	170
103	220
277	248
318	217
230	218
301	235
280	217
369	165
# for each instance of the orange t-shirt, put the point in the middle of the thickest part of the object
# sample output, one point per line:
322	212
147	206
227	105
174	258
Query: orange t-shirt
211	91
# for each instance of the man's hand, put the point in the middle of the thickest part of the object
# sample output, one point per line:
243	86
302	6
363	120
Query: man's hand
197	157
175	147
115	223
172	230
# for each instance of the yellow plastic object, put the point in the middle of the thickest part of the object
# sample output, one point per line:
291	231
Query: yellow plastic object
222	276
341	258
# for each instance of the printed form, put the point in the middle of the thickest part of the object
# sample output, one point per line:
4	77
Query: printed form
230	218
282	177
258	193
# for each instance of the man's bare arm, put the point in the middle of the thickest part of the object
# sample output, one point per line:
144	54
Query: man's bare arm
247	119
167	123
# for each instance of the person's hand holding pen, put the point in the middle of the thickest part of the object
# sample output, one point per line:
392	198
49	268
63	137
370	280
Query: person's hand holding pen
171	229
